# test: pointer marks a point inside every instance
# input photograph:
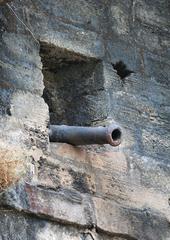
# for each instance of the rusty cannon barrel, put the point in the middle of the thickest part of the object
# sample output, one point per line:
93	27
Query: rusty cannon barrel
76	135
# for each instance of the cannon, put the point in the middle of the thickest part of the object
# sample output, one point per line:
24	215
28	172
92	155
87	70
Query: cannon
77	135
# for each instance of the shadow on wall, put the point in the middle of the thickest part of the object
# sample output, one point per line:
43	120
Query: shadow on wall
74	86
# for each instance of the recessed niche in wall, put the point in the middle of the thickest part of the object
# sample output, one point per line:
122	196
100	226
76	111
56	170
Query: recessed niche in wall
74	86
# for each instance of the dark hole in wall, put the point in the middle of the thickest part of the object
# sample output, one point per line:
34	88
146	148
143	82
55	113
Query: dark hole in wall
74	86
122	69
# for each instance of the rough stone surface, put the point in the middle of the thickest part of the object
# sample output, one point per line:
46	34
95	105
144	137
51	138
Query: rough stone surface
2	2
85	63
30	227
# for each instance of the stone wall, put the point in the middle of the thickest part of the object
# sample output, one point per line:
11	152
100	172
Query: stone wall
85	63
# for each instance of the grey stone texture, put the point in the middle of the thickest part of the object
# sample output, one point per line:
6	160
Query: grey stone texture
84	62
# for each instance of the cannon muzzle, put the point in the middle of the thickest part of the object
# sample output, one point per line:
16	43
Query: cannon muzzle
76	135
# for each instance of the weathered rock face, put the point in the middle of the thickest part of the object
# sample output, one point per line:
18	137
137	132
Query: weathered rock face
84	63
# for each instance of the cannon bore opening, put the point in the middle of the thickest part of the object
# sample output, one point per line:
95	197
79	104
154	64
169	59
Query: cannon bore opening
116	134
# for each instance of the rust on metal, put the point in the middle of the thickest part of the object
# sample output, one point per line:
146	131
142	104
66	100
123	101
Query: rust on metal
77	135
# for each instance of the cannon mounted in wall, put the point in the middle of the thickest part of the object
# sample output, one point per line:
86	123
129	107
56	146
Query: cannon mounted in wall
77	135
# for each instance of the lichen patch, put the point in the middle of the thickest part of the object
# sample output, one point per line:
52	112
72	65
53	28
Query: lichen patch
12	167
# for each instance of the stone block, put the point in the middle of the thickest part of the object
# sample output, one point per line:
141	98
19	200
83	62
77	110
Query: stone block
130	222
65	206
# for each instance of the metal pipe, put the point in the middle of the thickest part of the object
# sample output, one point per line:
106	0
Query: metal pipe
76	135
